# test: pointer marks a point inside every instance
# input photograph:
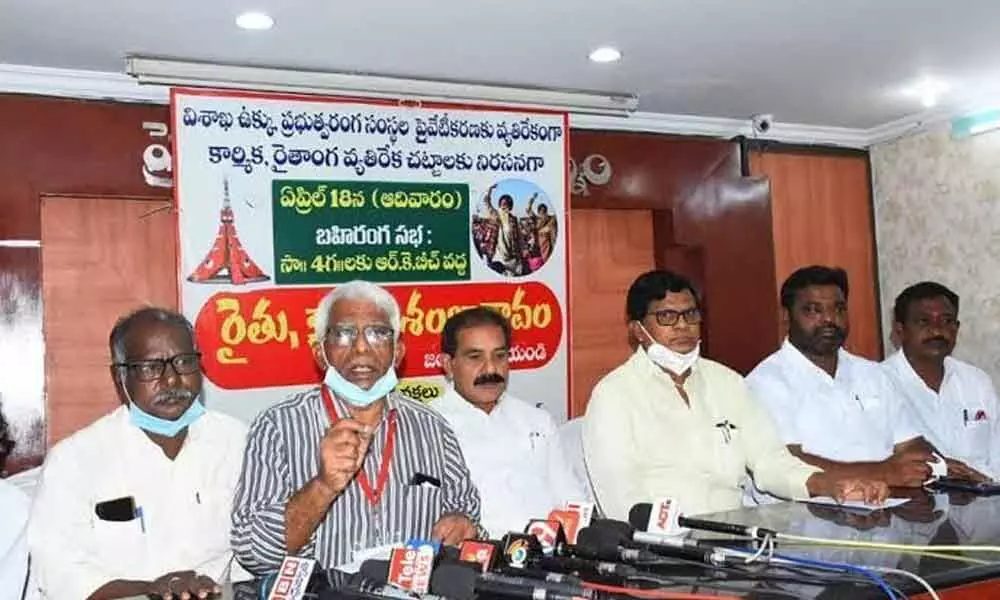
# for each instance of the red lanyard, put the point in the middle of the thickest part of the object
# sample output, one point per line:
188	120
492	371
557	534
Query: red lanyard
373	495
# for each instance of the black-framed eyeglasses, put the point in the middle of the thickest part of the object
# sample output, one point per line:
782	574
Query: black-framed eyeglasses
152	369
347	335
669	318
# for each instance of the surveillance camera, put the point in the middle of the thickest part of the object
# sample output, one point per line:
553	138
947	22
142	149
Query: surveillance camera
762	123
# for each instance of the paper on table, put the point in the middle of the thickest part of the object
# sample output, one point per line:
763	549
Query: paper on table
856	504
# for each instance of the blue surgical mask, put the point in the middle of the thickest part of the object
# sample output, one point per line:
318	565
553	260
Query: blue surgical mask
355	395
153	424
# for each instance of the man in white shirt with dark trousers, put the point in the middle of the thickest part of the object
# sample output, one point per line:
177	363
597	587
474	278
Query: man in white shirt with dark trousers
953	403
512	448
138	503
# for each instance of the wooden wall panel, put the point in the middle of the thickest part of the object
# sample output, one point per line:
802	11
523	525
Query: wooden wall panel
728	217
53	145
101	258
605	261
821	211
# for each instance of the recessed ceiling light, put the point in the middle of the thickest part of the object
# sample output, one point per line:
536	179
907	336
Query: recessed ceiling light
255	21
928	90
606	54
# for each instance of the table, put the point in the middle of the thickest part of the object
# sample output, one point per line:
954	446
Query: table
928	519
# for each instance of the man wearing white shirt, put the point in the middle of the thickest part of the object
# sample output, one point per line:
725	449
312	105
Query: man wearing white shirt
953	403
512	448
138	503
671	423
835	410
14	505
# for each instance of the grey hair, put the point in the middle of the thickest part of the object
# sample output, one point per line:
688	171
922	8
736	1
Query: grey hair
124	326
356	290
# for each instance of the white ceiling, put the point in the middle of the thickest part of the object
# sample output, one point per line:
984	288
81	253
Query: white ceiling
819	62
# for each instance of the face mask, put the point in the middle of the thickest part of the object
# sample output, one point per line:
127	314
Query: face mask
153	424
664	357
355	395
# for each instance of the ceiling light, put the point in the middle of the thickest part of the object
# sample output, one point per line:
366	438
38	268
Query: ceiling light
928	90
255	21
606	54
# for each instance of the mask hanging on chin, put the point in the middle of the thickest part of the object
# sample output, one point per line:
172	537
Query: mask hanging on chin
155	425
354	395
665	358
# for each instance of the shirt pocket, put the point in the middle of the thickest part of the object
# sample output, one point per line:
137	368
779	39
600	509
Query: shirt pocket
728	446
118	534
422	508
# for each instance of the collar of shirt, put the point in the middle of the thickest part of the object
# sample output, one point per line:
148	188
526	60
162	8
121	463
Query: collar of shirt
909	377
455	406
807	371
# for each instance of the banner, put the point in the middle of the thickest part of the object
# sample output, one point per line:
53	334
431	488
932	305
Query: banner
281	198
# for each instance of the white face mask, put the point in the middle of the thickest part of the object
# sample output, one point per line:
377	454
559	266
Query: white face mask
664	357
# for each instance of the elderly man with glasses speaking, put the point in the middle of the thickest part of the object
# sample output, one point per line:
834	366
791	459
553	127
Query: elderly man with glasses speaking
346	470
137	503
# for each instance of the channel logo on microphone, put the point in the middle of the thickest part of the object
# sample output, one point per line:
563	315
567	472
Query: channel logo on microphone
293	578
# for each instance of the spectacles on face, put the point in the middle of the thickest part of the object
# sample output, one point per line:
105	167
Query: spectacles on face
669	318
153	368
346	335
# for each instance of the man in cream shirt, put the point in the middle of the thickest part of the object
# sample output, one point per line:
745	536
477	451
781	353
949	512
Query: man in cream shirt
512	448
138	503
835	410
669	423
953	403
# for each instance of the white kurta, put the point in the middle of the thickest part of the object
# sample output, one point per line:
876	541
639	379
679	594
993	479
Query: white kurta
515	458
856	416
643	443
14	506
963	420
186	505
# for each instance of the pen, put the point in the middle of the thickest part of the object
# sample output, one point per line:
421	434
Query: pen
965	415
197	497
142	520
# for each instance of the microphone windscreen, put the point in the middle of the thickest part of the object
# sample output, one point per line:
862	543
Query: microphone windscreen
622	529
638	517
454	581
449	554
600	544
375	570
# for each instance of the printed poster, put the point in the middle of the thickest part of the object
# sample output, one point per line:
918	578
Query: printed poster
281	198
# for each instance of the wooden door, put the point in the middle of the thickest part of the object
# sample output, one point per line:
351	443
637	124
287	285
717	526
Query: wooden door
611	247
101	258
821	210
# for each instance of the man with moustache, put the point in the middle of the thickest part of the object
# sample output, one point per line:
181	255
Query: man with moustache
512	448
671	423
137	504
953	403
345	471
835	410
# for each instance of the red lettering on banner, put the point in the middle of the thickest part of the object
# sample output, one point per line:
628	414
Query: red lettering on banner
263	338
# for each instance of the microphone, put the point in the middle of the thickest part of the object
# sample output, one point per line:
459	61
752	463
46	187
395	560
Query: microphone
549	533
291	581
458	582
595	542
410	568
667	520
373	578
